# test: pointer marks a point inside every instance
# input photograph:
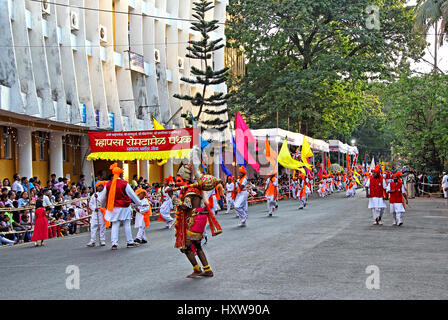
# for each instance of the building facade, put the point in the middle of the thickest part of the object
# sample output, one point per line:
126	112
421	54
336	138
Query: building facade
68	67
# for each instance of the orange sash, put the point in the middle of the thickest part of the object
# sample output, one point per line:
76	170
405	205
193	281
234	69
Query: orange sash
103	211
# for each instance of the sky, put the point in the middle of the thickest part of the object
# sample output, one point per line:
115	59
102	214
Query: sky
442	53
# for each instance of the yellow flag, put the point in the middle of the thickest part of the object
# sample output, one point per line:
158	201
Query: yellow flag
306	150
285	159
302	170
158	126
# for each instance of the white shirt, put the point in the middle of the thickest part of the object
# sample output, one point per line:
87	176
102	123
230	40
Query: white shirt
17	186
230	187
445	181
46	201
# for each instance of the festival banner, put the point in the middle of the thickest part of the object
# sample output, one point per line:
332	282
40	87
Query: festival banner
142	145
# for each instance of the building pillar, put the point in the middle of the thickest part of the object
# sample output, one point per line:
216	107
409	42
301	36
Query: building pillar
56	157
144	169
86	166
25	152
168	168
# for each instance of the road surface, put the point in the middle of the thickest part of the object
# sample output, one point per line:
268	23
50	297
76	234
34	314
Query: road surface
321	252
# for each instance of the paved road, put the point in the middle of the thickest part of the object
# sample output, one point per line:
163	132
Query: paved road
321	252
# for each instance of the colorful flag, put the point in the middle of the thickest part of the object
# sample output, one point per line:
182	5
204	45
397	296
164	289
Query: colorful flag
271	155
306	150
158	126
285	159
243	136
348	162
223	166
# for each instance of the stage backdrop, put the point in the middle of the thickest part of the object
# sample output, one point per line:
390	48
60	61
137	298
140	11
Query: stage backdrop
142	145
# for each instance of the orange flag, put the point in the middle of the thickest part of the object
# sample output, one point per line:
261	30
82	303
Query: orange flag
271	155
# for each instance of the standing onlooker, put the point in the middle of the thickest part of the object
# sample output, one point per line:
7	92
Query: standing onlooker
445	187
410	185
17	185
82	182
41	225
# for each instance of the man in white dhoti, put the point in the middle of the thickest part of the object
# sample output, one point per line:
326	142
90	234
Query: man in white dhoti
376	192
241	197
118	198
142	217
97	219
230	188
167	202
271	190
397	193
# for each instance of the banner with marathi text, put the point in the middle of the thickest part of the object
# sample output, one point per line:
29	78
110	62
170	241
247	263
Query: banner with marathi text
142	145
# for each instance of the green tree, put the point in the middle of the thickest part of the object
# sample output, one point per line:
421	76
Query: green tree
310	60
418	109
211	109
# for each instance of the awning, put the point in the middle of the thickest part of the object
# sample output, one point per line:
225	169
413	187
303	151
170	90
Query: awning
142	145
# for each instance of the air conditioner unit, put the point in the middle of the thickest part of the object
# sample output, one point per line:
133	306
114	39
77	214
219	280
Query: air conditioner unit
180	63
103	33
45	7
74	20
156	55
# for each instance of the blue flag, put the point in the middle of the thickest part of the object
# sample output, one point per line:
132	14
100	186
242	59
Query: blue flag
239	158
223	166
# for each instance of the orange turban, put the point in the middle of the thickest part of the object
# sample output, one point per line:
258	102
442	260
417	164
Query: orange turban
111	196
242	170
101	183
140	190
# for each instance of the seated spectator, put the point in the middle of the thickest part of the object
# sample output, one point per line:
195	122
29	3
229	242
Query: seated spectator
6	184
23	200
26	223
72	227
5	226
63	228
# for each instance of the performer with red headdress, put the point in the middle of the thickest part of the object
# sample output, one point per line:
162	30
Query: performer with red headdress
118	197
397	193
376	192
192	214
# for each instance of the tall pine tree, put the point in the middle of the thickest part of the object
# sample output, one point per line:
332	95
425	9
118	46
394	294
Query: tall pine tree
211	105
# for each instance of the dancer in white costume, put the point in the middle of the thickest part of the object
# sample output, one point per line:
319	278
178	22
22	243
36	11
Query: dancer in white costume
97	219
230	188
118	198
241	197
142	216
167	202
271	191
376	192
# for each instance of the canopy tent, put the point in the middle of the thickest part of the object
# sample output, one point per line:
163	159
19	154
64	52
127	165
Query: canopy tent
336	145
142	145
294	138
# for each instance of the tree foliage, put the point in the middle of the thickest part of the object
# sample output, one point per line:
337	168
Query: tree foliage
310	61
211	105
418	113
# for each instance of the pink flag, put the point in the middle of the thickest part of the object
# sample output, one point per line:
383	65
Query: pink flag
243	136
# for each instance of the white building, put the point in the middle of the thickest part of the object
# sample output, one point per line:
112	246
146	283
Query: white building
71	66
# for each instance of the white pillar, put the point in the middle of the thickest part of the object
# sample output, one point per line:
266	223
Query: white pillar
25	152
168	168
144	169
56	157
86	166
